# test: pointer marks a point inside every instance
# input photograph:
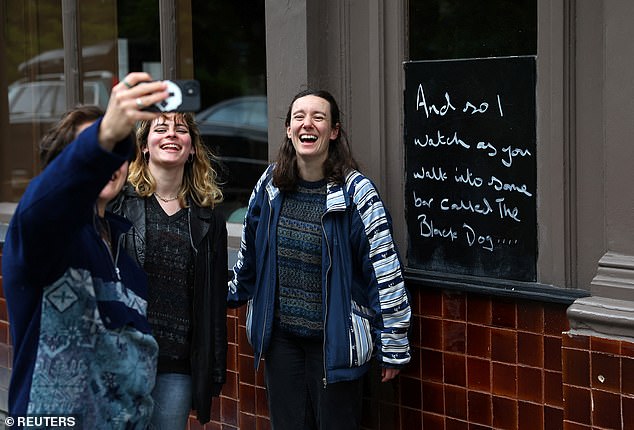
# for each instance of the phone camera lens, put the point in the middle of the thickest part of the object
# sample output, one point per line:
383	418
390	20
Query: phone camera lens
190	89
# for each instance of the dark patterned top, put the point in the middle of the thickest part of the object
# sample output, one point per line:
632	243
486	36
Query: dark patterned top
168	264
299	234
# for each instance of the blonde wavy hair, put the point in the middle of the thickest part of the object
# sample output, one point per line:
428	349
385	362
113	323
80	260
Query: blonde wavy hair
199	177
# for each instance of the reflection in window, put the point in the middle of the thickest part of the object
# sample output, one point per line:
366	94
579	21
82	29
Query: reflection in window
33	65
229	60
230	63
250	112
451	29
36	101
32	48
236	130
29	98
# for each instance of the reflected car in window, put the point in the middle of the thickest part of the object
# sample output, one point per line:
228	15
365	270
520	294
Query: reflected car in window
34	106
45	101
236	130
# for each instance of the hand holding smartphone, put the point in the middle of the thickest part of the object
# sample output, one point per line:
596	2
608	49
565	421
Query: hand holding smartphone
184	97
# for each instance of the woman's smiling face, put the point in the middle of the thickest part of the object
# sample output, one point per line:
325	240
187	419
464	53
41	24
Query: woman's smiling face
311	128
169	141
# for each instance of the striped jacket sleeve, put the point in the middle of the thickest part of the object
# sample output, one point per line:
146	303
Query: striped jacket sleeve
381	264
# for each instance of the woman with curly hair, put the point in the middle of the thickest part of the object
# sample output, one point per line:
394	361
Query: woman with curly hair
181	242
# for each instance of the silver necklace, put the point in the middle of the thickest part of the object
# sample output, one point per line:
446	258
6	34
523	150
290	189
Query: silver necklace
164	199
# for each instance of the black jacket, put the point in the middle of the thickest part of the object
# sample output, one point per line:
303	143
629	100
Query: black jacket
209	326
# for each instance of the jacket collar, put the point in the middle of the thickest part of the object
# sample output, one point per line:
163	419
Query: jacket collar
335	198
335	193
199	218
118	224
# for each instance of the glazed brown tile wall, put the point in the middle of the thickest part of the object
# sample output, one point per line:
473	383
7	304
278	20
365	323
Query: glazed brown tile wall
478	362
598	386
5	347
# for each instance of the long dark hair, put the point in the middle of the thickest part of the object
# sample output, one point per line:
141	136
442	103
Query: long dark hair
339	162
63	133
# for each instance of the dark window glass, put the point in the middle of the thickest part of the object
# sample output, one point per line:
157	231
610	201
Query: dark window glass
230	63
34	84
139	37
449	29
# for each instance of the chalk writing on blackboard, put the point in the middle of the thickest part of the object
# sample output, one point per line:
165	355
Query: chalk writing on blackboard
470	165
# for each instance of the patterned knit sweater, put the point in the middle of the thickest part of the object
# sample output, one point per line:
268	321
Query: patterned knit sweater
299	233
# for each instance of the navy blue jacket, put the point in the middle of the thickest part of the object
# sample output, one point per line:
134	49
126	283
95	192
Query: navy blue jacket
81	341
366	308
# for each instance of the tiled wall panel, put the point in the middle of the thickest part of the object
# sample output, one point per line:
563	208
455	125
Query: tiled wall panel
482	362
597	382
5	349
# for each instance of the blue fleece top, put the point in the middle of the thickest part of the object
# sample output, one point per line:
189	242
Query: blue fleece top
81	340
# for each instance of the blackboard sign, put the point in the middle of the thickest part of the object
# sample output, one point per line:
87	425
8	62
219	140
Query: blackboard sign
470	165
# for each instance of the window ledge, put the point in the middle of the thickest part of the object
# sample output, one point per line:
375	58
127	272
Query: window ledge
493	286
605	317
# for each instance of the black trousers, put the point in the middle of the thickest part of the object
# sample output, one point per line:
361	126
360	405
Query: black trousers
294	372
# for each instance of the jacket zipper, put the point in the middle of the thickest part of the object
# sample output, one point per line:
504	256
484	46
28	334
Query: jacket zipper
116	258
113	259
266	311
325	379
194	258
189	226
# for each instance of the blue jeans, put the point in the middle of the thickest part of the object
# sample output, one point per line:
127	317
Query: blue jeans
172	397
